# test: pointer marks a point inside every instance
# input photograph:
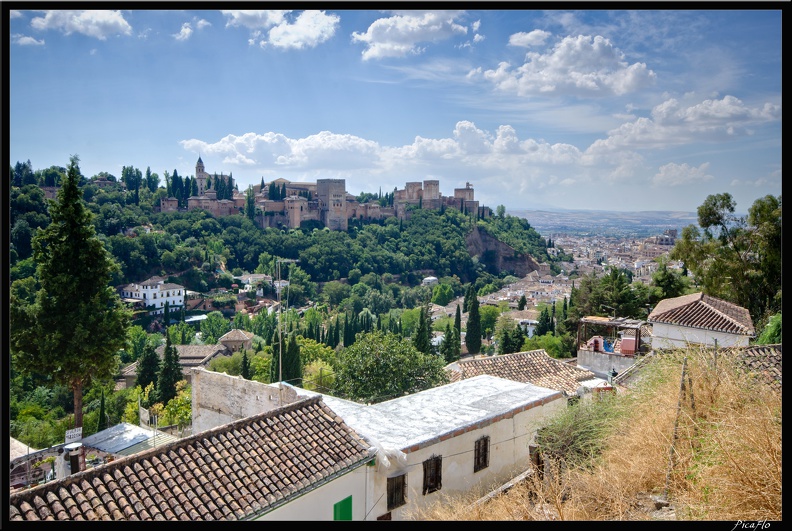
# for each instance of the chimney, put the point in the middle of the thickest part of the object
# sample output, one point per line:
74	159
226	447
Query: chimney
74	456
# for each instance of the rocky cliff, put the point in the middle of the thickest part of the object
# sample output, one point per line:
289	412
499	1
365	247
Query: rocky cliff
498	256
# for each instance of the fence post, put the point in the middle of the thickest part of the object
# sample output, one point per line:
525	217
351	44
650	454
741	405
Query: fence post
676	426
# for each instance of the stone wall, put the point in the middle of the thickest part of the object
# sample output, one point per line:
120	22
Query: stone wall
218	398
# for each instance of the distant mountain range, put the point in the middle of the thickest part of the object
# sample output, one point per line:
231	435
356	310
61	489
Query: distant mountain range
638	224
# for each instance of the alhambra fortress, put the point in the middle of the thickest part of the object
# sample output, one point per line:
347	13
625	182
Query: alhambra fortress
326	201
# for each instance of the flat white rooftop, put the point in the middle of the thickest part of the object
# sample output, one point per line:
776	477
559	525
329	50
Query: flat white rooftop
413	419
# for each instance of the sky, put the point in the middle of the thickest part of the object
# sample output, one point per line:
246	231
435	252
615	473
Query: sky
536	109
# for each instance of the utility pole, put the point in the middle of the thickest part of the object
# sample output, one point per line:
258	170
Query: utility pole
278	263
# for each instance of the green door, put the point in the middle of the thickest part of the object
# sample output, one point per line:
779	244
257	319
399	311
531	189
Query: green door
343	509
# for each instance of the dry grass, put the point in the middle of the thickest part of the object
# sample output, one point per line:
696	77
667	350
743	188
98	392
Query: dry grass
725	464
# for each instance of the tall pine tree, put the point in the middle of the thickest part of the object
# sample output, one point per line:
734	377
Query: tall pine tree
76	322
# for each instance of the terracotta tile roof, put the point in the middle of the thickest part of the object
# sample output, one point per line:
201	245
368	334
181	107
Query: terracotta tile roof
698	310
227	473
236	334
764	361
534	366
194	355
189	356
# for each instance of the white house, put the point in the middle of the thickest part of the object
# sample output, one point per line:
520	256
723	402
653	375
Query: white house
698	319
154	293
457	438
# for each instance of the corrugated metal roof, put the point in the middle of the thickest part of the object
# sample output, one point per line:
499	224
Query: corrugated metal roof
126	439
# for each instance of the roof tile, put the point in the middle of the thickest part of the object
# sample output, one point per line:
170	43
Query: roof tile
698	310
533	366
228	472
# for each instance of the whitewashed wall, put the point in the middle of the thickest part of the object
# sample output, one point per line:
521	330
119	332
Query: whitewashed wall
672	336
318	504
510	437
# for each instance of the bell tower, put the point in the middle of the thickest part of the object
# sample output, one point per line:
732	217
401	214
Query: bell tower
200	176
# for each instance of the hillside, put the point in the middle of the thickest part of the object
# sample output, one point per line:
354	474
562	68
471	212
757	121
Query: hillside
710	450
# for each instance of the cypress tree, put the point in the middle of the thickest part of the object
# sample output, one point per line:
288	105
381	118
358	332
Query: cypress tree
522	303
147	367
458	318
447	347
457	345
543	326
245	371
421	339
473	334
170	373
292	363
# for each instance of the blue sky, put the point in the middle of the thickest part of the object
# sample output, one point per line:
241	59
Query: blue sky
594	109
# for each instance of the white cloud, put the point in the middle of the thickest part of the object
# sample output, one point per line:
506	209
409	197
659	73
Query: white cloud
771	179
96	23
184	33
186	30
14	14
24	40
579	65
673	124
526	40
401	34
324	150
253	19
309	29
673	174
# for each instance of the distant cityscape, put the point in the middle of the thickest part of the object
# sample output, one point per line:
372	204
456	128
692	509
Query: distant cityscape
640	224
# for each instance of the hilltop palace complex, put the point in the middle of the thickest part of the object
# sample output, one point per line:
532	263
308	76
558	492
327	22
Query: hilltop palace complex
326	201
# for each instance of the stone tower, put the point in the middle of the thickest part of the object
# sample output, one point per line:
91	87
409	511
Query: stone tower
201	176
332	195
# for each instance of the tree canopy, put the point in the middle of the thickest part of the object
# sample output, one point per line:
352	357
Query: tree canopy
736	258
380	366
77	322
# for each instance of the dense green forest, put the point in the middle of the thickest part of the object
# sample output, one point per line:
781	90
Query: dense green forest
363	284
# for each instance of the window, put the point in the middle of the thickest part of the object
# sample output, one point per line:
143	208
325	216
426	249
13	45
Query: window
343	509
397	490
433	474
481	459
